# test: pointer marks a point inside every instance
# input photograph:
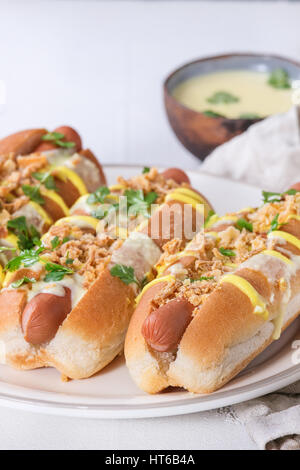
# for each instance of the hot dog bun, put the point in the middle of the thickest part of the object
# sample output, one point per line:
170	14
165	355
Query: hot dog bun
80	338
249	304
22	143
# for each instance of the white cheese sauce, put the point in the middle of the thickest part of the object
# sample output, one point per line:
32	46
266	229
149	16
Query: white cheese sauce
32	216
275	269
140	252
74	283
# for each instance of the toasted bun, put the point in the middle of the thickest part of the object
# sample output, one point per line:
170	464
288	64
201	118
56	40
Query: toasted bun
22	143
87	153
221	340
91	336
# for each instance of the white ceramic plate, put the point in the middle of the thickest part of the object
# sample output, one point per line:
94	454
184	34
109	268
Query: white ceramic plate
112	394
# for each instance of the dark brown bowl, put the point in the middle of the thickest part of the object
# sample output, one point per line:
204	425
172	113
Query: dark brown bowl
200	133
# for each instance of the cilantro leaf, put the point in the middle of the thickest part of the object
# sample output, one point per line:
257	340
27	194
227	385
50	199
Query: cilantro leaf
203	278
226	252
28	237
124	273
46	179
56	137
138	203
249	116
52	136
243	223
56	272
26	258
99	195
209	215
146	169
23	280
210	113
6	248
269	196
275	225
33	192
222	97
55	242
279	78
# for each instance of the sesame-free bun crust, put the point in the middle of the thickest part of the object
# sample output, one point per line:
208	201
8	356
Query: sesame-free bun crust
220	341
91	336
22	143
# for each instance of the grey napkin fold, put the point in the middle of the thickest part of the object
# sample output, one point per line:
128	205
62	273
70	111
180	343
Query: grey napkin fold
266	155
273	421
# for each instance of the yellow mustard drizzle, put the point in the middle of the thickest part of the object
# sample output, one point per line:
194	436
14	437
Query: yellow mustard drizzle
186	200
254	297
66	173
285	236
152	283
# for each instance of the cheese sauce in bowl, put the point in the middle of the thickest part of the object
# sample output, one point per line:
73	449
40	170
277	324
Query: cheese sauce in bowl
237	93
211	100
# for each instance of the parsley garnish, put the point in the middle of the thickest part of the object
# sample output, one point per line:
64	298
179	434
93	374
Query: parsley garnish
6	248
99	195
26	258
56	138
138	202
125	274
69	260
46	179
269	196
222	97
33	192
279	78
23	280
275	225
146	169
55	242
203	278
249	116
28	237
210	113
243	223
56	272
209	215
226	252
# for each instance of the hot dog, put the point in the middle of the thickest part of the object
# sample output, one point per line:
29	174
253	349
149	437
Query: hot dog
41	184
242	286
74	311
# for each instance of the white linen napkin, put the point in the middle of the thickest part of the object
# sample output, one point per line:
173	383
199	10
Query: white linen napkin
266	155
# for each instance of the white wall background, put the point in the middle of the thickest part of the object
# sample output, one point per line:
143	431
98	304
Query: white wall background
99	66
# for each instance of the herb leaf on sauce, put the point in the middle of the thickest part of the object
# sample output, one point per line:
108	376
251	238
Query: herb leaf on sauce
138	202
33	192
124	273
28	237
56	272
146	169
243	223
46	179
279	79
202	278
56	138
222	97
226	252
209	216
210	113
23	280
249	116
99	195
